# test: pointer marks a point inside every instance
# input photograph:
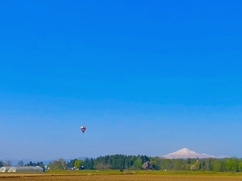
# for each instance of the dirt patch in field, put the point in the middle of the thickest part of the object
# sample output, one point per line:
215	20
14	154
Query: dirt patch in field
90	177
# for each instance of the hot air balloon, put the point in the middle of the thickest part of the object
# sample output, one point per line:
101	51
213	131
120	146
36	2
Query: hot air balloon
83	129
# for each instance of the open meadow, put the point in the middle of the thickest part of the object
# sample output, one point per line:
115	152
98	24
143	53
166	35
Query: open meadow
121	176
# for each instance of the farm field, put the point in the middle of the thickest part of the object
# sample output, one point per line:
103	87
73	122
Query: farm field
115	176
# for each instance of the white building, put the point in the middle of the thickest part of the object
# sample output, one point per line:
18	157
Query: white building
4	169
25	169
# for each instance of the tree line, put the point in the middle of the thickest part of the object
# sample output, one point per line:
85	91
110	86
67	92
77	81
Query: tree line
209	164
139	162
153	163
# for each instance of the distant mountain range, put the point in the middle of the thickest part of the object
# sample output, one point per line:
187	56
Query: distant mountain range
182	153
186	153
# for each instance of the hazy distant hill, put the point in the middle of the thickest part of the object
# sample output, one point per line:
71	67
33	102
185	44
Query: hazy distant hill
186	153
15	161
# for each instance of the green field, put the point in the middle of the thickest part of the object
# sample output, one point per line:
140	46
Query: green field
109	175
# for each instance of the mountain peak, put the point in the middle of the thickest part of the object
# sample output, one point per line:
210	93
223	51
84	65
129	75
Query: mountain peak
186	153
184	150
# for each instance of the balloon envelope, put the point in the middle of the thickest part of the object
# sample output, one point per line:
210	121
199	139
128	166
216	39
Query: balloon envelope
83	128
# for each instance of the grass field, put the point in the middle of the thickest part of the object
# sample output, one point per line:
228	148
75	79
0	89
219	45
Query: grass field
121	176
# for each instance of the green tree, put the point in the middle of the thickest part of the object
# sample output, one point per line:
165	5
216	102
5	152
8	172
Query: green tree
88	164
1	163
240	165
58	164
78	164
232	164
156	163
218	165
202	164
70	164
40	164
137	164
209	164
195	166
30	164
179	164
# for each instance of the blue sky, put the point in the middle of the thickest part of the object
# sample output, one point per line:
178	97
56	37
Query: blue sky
145	77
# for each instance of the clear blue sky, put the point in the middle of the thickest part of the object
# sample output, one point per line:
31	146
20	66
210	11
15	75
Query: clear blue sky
145	77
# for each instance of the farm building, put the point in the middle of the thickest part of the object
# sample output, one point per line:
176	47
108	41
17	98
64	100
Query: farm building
4	169
25	169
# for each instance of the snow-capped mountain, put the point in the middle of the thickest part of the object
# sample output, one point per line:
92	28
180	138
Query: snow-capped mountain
186	153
